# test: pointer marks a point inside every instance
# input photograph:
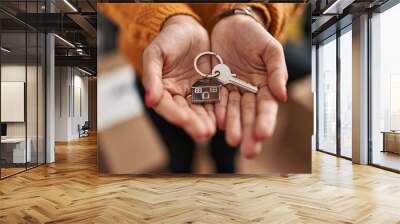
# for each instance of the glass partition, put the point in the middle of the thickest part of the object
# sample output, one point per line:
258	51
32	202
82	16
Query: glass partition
31	100
22	67
327	96
41	87
14	153
32	88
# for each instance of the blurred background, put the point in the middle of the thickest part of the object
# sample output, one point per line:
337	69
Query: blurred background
132	139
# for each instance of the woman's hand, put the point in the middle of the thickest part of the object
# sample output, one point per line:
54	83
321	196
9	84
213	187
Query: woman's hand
168	75
256	57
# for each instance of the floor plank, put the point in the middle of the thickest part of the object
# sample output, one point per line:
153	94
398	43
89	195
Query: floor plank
71	191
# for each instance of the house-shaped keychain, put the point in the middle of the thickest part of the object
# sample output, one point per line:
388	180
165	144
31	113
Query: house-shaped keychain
206	91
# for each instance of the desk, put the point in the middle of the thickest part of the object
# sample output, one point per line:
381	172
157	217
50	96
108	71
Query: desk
13	150
391	141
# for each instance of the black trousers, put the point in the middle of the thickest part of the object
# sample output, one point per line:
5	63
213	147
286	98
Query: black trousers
181	147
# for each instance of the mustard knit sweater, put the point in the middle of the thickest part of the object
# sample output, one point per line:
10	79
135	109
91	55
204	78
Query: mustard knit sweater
139	23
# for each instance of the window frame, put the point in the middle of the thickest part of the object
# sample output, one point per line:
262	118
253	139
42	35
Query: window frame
333	37
380	9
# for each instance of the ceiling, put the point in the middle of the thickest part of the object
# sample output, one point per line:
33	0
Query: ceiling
328	16
72	20
39	6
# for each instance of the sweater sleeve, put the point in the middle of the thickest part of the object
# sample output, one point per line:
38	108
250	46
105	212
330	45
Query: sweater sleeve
276	15
139	24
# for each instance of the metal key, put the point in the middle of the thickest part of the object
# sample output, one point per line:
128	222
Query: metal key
225	76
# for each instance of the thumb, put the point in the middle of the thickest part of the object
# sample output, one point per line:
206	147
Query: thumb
152	75
277	76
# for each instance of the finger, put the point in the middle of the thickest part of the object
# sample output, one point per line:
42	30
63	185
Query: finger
250	147
277	76
194	127
152	75
203	115
220	108
233	128
172	112
210	111
267	111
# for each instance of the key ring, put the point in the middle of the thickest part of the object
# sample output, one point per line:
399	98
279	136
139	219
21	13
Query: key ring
202	54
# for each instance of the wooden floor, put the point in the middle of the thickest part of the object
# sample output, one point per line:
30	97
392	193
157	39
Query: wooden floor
71	191
5	172
387	159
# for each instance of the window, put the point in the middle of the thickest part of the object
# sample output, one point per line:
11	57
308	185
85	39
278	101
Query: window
394	102
197	90
326	140
346	95
385	89
213	89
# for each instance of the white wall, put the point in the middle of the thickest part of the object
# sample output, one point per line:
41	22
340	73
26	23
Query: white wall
62	81
12	73
33	126
79	117
70	83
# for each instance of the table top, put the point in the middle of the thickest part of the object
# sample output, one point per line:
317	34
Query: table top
13	140
391	132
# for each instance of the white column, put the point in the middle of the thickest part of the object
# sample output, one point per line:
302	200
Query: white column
50	92
360	90
50	99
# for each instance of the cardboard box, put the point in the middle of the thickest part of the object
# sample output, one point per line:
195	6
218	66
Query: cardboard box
127	142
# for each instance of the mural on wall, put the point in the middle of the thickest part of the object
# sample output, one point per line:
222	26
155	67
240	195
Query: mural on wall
134	139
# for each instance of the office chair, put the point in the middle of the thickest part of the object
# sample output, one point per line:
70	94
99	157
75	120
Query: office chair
84	130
